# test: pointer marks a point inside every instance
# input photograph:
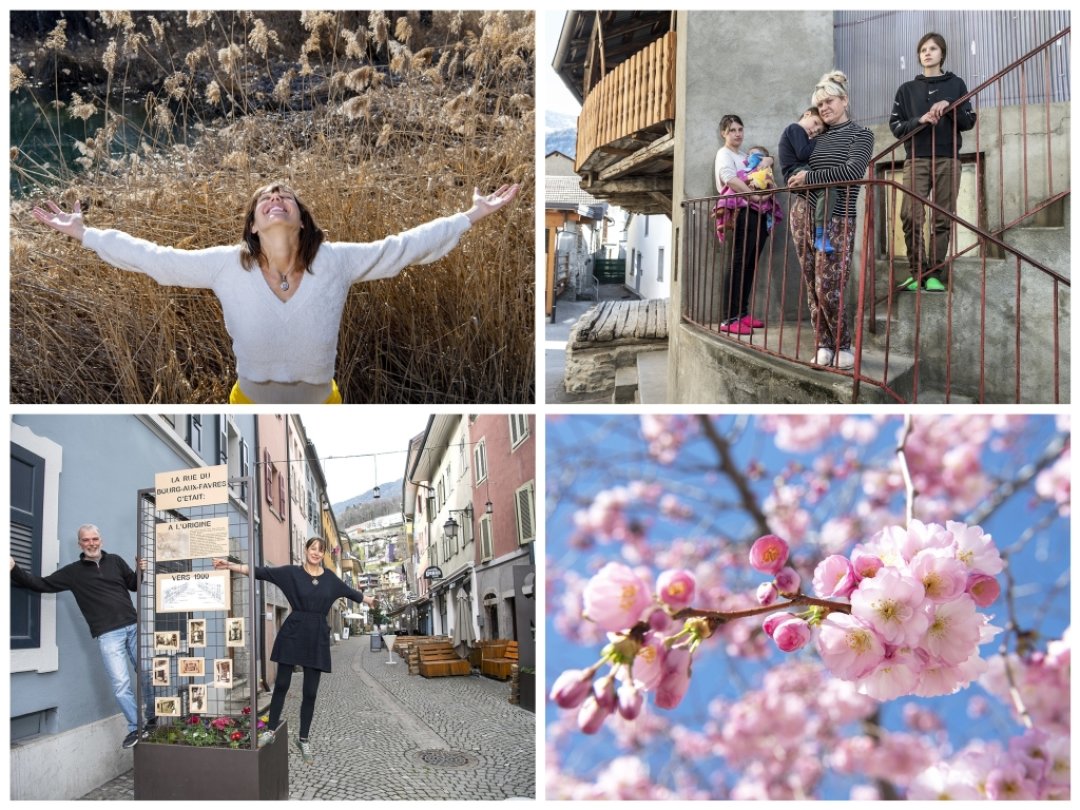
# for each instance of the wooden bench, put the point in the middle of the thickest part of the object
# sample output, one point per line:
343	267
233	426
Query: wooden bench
498	658
439	660
408	647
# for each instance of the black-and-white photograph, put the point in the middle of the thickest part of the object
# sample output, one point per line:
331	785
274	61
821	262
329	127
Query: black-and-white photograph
196	699
167	706
223	673
167	640
196	632
160	670
234	632
190	667
192	591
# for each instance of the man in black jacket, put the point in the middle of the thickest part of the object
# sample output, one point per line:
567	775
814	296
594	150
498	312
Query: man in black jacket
100	583
932	163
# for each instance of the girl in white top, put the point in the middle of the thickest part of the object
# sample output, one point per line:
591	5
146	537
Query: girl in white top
283	288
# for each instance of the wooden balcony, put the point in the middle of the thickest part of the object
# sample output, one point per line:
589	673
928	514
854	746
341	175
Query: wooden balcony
625	145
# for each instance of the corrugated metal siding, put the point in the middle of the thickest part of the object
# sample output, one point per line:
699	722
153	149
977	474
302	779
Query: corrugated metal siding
876	49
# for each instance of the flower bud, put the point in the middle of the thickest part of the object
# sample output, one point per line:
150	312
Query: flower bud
768	554
791	635
675	680
591	716
571	688
766	593
631	701
604	692
787	581
772	622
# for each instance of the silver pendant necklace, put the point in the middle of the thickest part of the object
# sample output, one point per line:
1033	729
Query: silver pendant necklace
284	285
314	577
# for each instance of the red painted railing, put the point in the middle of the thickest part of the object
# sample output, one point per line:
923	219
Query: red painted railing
999	333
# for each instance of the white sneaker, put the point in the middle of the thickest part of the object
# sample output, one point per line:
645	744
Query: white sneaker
824	356
845	359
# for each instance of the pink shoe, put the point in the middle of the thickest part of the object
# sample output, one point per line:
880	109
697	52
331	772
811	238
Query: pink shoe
753	323
736	327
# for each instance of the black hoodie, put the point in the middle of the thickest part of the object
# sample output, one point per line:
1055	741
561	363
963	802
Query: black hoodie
915	98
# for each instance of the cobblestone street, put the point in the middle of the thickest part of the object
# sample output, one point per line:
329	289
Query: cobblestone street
380	733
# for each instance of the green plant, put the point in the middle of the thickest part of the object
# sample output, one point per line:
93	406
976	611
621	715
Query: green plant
202	731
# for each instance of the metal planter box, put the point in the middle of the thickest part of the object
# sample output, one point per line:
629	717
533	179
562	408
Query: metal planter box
190	772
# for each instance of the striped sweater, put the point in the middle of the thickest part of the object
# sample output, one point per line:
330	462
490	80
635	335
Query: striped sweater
842	154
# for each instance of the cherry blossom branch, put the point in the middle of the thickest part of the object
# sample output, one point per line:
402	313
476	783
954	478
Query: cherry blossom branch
799	600
1025	475
1014	628
909	484
731	470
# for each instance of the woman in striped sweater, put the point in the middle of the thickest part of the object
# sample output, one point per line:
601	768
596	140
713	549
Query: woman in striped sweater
841	155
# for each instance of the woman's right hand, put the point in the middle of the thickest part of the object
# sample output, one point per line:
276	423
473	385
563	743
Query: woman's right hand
219	563
57	219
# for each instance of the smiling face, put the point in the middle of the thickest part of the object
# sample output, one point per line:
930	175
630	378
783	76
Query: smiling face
275	205
90	543
313	555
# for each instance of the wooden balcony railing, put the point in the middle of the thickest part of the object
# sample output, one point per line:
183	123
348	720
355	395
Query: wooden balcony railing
637	95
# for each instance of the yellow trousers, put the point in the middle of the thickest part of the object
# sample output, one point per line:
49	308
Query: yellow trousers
237	397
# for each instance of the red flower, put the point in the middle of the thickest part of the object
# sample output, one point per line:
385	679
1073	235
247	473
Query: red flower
236	736
193	720
247	710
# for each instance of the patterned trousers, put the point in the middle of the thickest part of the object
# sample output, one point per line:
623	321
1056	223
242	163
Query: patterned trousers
826	274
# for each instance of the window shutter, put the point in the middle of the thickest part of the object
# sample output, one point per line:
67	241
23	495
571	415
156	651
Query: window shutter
223	439
245	464
486	552
480	459
25	532
523	501
519	428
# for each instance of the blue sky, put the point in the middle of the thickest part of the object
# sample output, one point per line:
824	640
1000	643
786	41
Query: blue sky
576	443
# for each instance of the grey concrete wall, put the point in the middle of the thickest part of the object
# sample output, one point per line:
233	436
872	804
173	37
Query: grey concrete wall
726	64
1047	158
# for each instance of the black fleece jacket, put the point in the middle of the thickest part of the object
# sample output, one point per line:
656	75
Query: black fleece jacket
915	98
101	589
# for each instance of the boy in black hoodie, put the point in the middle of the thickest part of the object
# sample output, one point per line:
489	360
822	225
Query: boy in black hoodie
932	155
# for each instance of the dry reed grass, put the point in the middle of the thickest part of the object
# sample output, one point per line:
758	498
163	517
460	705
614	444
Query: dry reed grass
373	151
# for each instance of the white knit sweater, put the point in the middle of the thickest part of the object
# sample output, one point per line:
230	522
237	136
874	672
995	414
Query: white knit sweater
275	340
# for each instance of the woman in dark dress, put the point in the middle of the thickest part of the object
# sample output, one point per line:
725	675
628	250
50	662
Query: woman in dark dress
304	638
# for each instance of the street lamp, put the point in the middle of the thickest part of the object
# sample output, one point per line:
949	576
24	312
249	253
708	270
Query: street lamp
450	528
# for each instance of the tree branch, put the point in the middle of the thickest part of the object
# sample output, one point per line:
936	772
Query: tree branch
727	465
909	484
799	600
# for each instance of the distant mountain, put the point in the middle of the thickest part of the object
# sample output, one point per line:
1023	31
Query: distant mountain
388	490
560	133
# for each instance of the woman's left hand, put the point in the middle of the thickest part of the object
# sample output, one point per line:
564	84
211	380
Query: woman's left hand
370	601
490	203
797	179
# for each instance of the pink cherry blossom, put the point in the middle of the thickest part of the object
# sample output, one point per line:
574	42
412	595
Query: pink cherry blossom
834	577
775	620
865	564
975	549
891	603
942	575
849	647
768	554
676	588
983	588
616	598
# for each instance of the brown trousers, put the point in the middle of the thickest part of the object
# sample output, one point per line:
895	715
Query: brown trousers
925	176
826	275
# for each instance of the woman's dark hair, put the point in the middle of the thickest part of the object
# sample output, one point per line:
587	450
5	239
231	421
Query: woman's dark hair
939	40
311	235
312	541
727	120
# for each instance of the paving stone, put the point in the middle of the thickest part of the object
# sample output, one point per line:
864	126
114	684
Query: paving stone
371	721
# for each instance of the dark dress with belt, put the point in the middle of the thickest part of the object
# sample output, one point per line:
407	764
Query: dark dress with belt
304	638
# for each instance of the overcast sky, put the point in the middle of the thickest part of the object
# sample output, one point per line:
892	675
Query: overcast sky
342	432
554	93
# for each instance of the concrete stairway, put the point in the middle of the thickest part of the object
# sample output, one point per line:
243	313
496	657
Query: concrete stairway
953	364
